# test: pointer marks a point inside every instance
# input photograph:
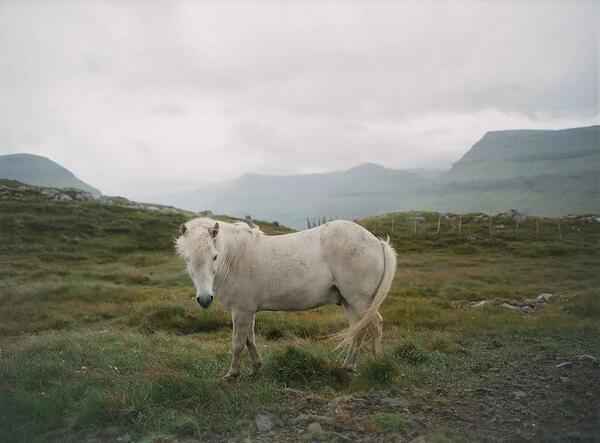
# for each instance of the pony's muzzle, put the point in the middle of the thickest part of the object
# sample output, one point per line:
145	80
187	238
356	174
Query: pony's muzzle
205	300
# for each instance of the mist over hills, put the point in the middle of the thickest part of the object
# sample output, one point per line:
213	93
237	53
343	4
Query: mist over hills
539	172
542	172
363	190
40	171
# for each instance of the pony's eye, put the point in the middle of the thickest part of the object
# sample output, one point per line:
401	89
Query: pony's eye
215	257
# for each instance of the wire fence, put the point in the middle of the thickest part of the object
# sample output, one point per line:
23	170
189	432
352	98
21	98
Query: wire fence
504	225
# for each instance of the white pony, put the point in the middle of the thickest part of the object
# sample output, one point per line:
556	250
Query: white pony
338	262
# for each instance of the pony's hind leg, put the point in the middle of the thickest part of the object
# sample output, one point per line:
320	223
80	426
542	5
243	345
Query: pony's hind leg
354	313
352	353
378	339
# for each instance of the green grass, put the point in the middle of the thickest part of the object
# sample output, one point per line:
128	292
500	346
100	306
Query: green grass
99	330
376	373
79	381
391	422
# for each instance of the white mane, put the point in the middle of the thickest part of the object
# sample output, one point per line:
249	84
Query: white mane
197	234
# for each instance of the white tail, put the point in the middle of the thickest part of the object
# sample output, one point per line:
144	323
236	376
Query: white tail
364	328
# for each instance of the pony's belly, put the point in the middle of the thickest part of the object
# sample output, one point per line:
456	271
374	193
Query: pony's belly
299	301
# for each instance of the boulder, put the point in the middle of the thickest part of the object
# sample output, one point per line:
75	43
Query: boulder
264	423
544	297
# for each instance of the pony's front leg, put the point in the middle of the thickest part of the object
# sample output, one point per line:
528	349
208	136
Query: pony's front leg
251	343
242	322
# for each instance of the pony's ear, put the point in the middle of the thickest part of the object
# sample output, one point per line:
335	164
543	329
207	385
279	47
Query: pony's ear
214	231
182	229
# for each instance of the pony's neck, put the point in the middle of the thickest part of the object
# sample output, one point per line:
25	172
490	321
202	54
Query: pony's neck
234	242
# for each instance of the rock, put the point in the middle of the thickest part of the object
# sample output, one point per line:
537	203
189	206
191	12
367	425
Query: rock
335	405
264	423
519	394
479	304
314	429
564	379
511	307
587	357
394	402
544	297
301	418
565	364
311	417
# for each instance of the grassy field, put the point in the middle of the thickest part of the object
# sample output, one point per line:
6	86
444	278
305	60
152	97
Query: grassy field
100	339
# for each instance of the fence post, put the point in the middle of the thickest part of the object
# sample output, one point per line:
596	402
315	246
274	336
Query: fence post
560	234
415	226
439	225
392	224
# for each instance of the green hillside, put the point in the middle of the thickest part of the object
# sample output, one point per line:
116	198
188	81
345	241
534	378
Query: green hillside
101	340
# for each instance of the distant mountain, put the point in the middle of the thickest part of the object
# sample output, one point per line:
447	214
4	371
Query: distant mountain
364	190
547	172
40	171
528	153
541	172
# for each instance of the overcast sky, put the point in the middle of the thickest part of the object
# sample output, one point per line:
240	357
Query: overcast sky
143	97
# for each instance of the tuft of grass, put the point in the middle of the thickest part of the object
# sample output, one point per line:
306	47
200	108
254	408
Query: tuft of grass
409	353
176	319
584	306
273	333
391	422
379	372
294	366
309	325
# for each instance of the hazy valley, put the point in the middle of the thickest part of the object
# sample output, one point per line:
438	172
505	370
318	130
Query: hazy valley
536	172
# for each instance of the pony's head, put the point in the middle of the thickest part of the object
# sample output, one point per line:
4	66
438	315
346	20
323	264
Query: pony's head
197	245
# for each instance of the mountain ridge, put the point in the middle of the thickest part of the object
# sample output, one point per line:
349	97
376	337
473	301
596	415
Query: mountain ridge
543	172
38	170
